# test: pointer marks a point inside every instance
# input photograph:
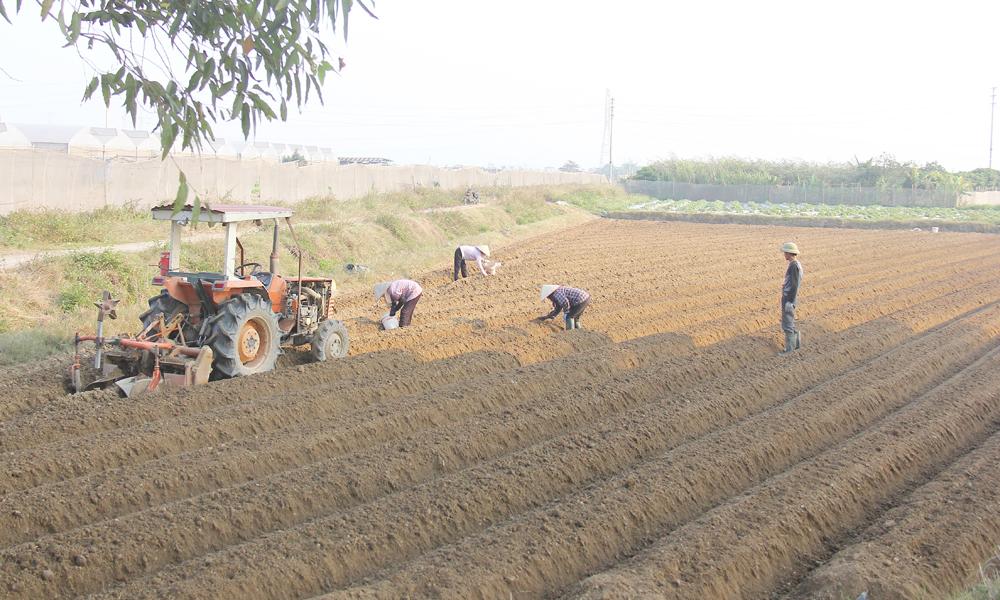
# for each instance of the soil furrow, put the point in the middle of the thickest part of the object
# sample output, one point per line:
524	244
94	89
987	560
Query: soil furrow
76	415
796	515
543	473
172	478
563	541
533	458
922	546
43	464
115	492
144	534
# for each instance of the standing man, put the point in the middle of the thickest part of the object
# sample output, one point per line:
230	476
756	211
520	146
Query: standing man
569	300
476	253
401	295
790	298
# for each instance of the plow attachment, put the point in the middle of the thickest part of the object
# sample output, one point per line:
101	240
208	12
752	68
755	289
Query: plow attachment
141	364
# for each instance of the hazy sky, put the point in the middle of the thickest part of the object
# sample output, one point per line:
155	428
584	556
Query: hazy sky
522	83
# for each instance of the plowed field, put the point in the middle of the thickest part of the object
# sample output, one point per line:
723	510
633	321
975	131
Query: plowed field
664	451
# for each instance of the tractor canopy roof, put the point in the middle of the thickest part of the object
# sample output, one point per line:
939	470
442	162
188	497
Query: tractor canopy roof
220	213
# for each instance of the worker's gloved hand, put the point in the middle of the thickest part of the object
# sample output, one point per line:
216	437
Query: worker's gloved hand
392	314
789	307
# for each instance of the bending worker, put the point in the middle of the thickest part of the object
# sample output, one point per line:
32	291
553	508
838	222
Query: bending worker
476	253
401	295
567	299
790	298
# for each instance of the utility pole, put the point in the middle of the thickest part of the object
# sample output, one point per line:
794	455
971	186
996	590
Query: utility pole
606	140
993	104
611	137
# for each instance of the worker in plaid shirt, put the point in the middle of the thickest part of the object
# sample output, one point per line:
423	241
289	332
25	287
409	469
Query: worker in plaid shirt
571	301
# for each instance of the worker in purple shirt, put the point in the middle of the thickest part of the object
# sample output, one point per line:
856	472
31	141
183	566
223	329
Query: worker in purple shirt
568	300
401	295
790	298
476	253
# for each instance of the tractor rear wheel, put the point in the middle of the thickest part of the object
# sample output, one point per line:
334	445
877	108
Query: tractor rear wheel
245	336
331	340
165	305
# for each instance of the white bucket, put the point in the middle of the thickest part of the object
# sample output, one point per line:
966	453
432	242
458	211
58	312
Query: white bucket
490	267
389	322
934	229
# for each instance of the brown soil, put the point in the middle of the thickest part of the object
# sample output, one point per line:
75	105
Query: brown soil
665	451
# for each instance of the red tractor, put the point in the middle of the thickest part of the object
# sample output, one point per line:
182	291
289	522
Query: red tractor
216	325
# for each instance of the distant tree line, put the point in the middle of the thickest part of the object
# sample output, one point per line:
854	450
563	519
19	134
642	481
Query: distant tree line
884	172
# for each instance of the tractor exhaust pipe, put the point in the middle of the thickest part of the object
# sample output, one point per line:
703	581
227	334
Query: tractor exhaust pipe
274	250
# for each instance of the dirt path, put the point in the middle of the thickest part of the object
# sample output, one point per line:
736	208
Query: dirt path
664	451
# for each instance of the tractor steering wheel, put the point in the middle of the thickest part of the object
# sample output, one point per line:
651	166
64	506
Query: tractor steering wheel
256	270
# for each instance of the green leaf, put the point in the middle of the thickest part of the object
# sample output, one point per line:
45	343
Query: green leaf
245	117
130	90
182	194
224	89
196	211
74	28
91	87
370	13
3	12
346	9
106	88
167	137
46	7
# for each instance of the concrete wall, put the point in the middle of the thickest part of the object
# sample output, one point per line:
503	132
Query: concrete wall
31	178
990	198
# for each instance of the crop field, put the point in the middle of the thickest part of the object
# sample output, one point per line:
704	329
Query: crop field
663	451
979	214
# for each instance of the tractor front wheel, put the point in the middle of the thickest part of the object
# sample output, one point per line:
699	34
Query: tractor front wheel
331	340
245	336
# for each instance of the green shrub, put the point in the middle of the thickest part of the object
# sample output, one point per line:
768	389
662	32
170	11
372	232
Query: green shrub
87	274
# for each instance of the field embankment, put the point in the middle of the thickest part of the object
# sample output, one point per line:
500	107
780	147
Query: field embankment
394	234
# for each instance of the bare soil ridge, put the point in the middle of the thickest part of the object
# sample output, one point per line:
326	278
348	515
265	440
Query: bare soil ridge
665	450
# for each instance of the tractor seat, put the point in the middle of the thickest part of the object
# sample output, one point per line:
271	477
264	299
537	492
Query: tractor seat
266	278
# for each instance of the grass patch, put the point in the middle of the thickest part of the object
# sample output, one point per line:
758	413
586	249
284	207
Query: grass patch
988	586
86	274
522	205
594	198
42	229
396	227
20	347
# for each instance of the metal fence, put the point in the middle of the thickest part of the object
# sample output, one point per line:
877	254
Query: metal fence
775	194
